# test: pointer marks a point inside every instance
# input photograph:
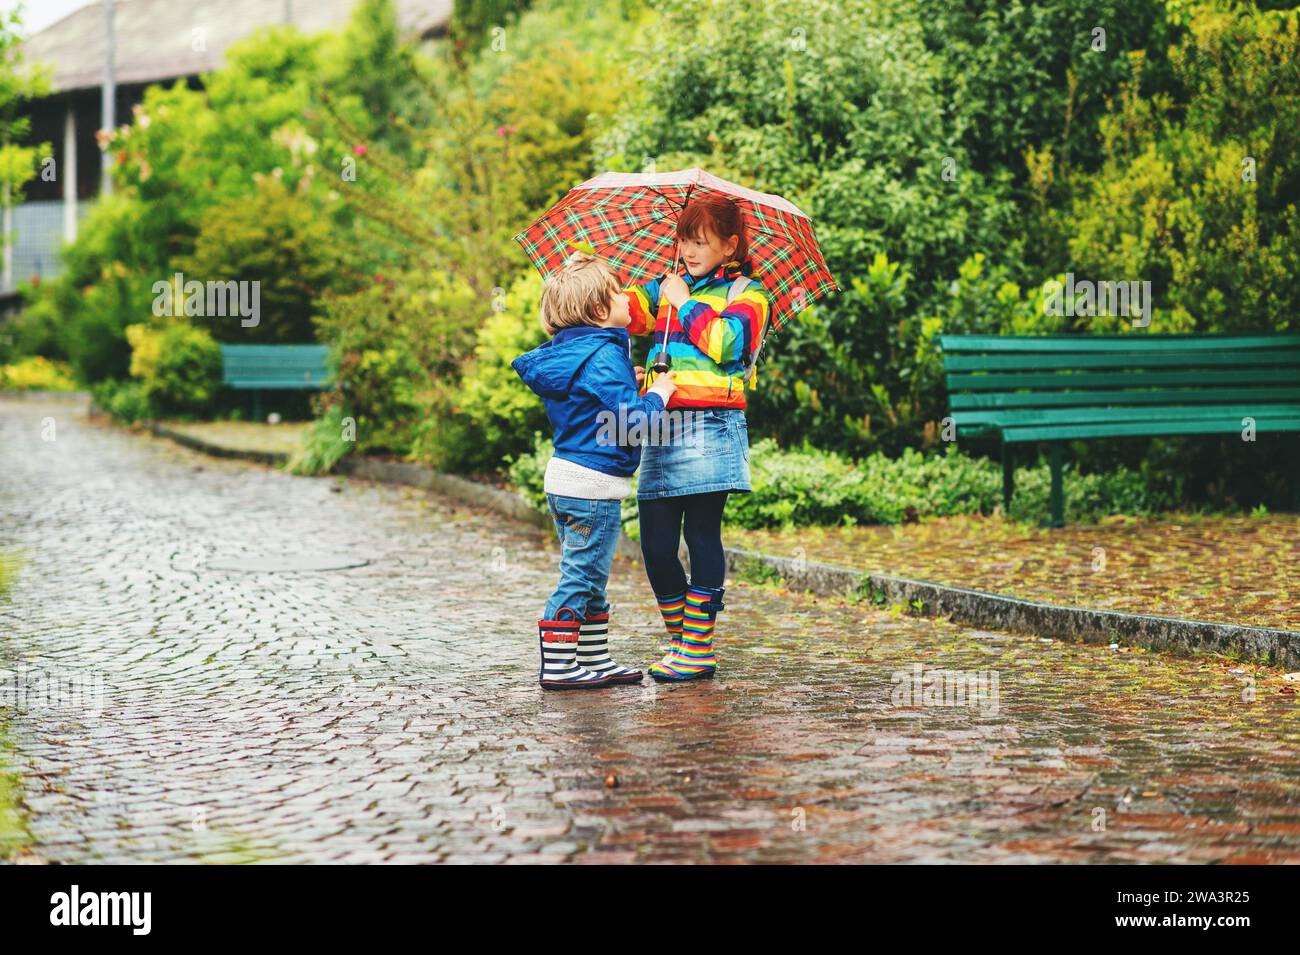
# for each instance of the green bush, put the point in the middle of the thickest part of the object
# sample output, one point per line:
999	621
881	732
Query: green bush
31	331
124	401
509	135
809	487
1197	193
845	114
379	393
179	367
1016	68
278	239
82	315
326	442
36	374
804	487
527	471
182	152
492	415
397	344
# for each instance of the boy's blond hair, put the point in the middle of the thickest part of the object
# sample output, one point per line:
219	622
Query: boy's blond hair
579	294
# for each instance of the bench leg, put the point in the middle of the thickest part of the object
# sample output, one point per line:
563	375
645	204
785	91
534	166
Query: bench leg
257	404
1058	490
1295	490
1008	479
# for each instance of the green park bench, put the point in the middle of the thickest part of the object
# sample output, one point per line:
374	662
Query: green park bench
1057	388
259	368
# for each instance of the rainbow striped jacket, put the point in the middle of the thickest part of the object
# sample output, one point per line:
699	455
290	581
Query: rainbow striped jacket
706	337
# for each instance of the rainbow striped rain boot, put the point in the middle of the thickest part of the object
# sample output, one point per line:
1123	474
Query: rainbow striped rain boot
670	608
593	650
559	643
693	658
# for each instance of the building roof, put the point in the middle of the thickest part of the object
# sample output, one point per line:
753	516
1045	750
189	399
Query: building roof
155	39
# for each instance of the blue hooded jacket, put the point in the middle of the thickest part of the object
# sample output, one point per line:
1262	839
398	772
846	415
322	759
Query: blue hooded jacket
579	373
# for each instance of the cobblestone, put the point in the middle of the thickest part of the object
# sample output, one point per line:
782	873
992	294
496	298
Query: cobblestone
388	712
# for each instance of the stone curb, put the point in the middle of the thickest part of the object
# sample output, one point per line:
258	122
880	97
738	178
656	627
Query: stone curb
971	607
1000	612
462	489
216	450
46	395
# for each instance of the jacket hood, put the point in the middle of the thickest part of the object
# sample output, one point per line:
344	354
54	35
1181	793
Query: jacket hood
550	368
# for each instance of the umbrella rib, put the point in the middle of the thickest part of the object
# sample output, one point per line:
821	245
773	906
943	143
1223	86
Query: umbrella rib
662	196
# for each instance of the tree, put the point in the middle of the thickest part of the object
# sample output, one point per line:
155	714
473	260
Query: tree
1198	196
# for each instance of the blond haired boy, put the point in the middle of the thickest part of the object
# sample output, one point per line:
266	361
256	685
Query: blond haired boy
586	381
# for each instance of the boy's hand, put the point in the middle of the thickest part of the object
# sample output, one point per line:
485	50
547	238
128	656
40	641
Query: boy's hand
674	289
639	371
664	385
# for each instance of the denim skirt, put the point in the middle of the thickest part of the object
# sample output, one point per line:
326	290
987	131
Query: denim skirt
697	454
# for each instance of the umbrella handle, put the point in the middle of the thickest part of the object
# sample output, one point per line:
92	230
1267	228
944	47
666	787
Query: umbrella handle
662	360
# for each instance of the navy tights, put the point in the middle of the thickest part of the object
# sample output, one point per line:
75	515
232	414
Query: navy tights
664	521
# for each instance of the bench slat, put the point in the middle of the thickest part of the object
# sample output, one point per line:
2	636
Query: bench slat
308	349
1101	415
1158	359
261	365
1023	435
1001	381
1061	399
274	383
1106	343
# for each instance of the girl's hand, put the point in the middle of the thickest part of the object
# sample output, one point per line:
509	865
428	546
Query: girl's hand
675	290
639	371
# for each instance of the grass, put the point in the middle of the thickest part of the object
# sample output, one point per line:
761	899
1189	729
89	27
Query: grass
14	837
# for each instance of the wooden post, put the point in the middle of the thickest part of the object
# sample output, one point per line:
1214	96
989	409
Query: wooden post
70	173
108	98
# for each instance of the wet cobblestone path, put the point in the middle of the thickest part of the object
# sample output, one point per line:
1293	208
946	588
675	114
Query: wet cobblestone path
389	712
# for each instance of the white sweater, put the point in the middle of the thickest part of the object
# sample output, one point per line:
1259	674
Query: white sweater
573	480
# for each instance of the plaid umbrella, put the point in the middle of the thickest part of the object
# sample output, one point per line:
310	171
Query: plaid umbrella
630	220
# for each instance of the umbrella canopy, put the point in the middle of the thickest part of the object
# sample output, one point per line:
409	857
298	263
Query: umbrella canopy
630	221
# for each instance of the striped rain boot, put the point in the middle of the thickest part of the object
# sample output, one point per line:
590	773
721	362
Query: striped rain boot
693	658
670	608
593	650
559	642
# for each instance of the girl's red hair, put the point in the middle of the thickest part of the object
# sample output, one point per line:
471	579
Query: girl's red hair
716	214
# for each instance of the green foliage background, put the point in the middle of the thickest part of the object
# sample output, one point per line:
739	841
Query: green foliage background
955	157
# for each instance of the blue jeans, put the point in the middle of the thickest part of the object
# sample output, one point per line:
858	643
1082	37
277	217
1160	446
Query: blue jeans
588	532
